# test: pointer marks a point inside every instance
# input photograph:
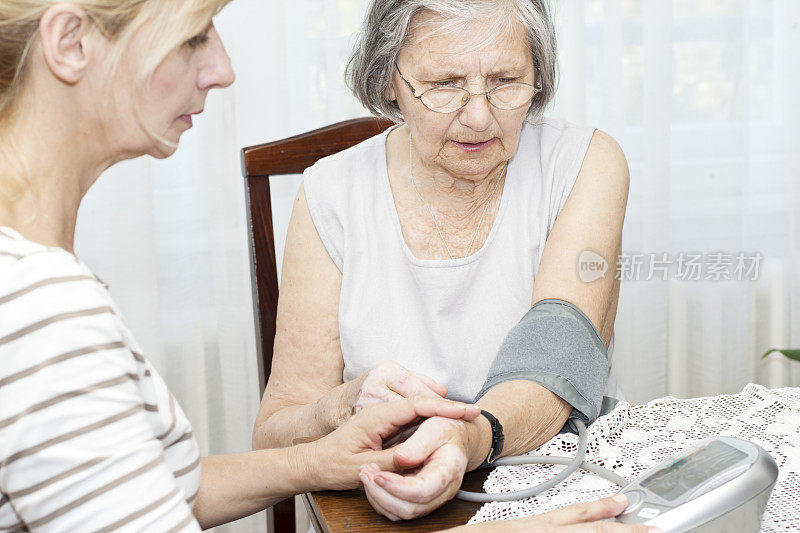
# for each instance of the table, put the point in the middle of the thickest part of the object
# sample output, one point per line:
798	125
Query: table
345	511
629	440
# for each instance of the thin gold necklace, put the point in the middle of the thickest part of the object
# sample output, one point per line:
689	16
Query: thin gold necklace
430	211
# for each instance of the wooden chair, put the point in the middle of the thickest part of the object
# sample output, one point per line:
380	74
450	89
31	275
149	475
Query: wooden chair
287	156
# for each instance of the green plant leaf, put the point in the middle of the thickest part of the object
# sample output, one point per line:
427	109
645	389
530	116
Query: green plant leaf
791	354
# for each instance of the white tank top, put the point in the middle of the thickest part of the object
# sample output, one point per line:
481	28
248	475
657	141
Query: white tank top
442	318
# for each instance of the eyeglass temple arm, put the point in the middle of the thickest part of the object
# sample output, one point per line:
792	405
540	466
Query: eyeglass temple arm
410	88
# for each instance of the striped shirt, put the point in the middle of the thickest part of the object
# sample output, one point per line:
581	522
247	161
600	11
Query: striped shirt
90	437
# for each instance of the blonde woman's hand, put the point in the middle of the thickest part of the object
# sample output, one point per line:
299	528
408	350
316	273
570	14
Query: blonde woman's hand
335	460
586	517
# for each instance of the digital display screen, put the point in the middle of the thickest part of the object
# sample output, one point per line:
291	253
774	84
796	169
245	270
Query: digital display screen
687	473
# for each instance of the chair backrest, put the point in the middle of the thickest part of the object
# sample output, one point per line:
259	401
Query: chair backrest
287	156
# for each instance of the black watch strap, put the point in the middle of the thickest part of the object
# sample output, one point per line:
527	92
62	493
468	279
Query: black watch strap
497	440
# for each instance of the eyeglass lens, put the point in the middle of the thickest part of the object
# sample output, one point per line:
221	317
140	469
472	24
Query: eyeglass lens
448	99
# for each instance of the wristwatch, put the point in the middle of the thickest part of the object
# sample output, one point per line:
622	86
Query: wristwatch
497	440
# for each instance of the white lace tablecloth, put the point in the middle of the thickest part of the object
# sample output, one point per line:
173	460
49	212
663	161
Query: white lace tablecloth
631	439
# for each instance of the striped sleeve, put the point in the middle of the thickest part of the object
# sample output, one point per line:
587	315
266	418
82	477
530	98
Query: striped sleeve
77	452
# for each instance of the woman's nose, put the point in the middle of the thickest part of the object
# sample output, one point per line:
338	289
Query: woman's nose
477	114
217	71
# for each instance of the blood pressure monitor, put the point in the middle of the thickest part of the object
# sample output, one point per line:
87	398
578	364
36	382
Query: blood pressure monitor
720	484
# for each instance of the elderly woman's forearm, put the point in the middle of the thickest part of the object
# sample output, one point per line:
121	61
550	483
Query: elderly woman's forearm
295	424
285	426
531	415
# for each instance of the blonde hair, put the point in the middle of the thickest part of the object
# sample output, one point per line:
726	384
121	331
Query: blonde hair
172	22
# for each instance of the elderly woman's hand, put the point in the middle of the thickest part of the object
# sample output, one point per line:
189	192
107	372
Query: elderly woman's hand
386	382
360	441
438	452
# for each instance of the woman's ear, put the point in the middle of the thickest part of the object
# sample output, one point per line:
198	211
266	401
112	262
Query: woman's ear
62	31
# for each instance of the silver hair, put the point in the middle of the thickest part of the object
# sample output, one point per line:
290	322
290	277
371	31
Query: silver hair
386	29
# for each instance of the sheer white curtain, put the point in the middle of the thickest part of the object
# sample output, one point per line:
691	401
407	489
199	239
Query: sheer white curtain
701	94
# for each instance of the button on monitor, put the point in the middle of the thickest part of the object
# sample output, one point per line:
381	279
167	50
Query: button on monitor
635	499
648	512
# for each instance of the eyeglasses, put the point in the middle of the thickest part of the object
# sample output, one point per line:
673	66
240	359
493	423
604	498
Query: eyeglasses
449	99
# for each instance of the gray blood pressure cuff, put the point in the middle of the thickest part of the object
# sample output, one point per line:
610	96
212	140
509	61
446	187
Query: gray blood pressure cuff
557	346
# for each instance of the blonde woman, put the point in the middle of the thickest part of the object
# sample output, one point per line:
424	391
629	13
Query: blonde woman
90	437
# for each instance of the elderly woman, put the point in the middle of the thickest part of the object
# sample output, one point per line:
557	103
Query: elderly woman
440	258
